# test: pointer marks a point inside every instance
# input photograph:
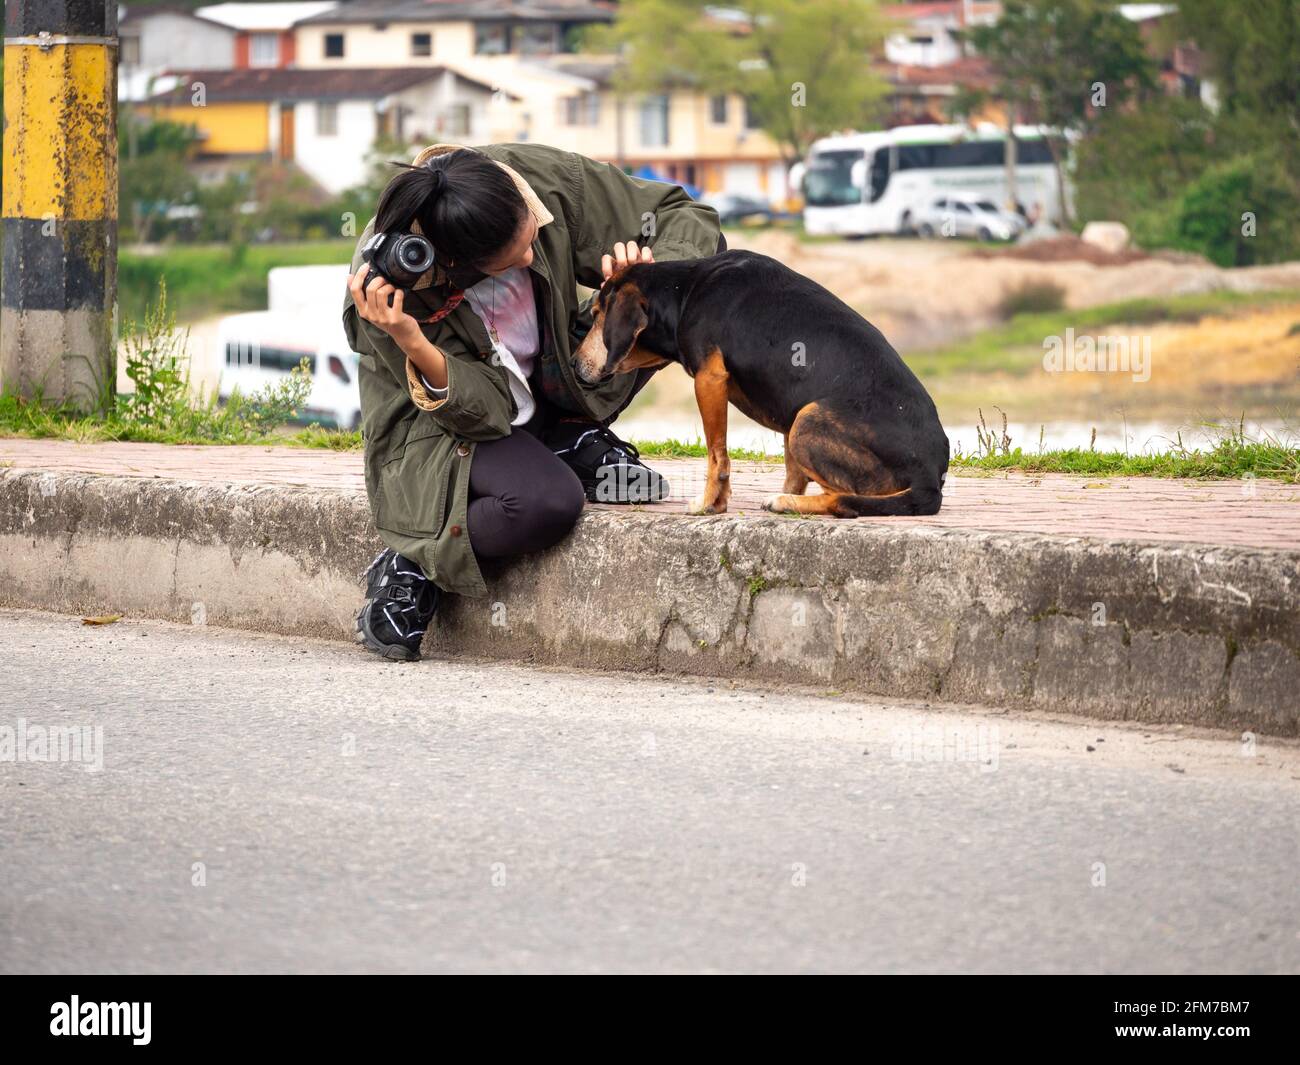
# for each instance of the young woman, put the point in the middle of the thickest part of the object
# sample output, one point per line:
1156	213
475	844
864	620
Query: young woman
481	440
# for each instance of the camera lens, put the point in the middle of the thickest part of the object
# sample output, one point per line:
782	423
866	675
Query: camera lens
415	254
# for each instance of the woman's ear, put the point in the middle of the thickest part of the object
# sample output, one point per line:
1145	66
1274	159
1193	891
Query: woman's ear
625	318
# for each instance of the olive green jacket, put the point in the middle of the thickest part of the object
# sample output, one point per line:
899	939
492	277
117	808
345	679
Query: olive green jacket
418	450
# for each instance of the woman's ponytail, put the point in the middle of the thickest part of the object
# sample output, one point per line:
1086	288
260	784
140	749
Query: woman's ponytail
465	203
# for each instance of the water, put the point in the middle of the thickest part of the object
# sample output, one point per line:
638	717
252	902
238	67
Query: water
1136	438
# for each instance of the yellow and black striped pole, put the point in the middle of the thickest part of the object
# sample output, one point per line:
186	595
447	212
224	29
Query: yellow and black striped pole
57	321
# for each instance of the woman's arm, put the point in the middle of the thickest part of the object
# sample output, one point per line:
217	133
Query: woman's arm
476	403
617	207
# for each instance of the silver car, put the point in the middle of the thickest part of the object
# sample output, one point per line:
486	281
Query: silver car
971	216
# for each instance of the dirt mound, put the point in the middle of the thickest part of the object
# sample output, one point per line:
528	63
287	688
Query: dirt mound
1063	249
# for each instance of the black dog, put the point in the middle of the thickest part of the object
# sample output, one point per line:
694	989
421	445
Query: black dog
794	358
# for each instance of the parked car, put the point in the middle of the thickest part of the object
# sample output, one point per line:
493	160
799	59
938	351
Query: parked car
736	209
966	215
262	347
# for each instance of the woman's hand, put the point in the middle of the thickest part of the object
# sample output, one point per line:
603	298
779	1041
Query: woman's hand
624	255
373	305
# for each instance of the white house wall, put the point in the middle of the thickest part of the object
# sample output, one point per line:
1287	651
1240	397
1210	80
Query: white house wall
336	162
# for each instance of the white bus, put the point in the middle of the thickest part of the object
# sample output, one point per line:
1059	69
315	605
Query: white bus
859	184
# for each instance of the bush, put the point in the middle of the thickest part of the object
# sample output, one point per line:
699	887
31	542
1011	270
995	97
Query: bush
1241	212
1032	297
161	406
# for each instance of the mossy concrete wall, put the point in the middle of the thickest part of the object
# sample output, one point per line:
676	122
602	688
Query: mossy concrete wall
1110	629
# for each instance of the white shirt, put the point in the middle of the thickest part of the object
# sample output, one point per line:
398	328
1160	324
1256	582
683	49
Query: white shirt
508	309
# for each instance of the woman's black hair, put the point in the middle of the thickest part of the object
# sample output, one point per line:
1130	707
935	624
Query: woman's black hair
466	204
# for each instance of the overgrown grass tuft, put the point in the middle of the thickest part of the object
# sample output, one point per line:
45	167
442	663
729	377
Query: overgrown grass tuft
1032	297
1230	455
162	408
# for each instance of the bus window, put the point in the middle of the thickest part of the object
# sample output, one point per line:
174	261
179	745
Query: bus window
879	174
1030	152
828	181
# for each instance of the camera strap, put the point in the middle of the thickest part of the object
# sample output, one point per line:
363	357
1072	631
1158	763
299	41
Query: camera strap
453	301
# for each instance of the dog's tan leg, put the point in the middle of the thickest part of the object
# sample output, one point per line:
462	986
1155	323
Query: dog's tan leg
711	397
796	481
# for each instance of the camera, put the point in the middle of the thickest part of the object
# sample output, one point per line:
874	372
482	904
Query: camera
400	258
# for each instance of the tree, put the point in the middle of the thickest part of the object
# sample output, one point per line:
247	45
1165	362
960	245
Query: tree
1060	63
1253	59
1142	158
152	172
801	65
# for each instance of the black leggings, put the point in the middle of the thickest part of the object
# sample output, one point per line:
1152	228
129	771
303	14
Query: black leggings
522	497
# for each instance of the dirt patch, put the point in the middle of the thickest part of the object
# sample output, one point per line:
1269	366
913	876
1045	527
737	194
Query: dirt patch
1064	249
929	293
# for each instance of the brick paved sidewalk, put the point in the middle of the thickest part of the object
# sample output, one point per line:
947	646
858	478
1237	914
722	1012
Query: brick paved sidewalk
1250	513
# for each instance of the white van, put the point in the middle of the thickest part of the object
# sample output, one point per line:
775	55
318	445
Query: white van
262	347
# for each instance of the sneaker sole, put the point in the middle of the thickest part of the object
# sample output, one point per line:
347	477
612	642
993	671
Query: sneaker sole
394	652
629	489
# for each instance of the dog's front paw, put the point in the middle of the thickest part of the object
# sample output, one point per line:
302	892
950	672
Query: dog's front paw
706	505
778	504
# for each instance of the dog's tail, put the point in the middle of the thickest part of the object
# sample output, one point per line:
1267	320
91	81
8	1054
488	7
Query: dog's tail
910	501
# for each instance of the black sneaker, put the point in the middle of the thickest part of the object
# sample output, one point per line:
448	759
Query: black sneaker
400	602
610	469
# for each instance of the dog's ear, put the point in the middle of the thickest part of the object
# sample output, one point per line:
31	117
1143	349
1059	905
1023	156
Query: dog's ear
625	318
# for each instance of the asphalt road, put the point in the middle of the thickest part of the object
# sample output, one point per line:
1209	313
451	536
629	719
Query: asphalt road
267	804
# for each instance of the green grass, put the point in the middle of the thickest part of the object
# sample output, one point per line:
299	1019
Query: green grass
206	426
679	449
1230	454
1272	461
1017	347
206	279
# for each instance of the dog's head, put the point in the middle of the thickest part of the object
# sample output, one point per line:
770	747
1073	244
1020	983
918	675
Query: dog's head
620	314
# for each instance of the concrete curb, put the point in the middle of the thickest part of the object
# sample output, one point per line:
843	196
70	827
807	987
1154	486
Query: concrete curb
1111	629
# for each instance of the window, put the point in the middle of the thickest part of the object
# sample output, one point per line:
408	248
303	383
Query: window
327	119
129	51
828	181
654	122
1036	151
458	120
491	38
718	109
969	153
277	360
752	120
333	46
339	370
537	38
264	50
421	44
580	110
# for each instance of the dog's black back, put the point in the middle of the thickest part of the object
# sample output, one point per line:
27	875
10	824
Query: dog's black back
788	342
